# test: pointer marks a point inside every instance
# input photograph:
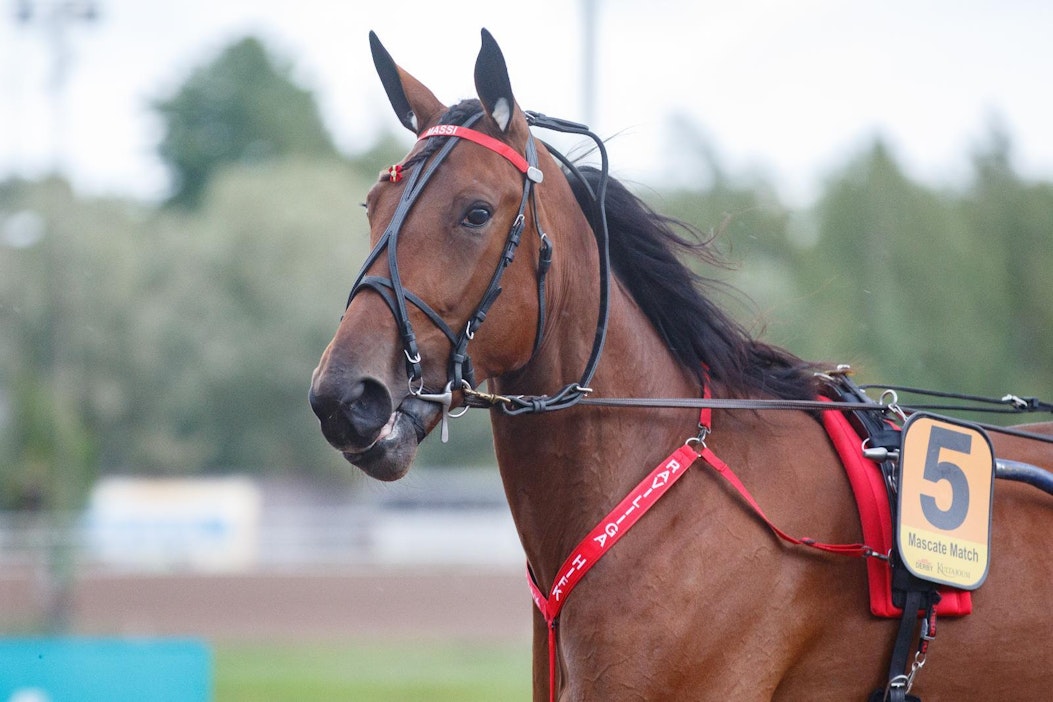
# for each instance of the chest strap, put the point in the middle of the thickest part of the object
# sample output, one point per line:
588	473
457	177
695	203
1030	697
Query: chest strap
628	512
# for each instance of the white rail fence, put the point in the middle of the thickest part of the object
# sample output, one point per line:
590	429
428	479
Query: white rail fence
238	525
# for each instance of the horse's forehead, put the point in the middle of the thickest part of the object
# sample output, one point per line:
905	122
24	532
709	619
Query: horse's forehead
460	168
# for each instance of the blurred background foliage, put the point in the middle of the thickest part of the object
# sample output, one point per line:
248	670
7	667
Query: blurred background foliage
242	107
180	338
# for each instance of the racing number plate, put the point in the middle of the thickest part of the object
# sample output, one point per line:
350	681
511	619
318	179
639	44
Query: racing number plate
946	485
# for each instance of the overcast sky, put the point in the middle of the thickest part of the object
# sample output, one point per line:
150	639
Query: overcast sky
790	88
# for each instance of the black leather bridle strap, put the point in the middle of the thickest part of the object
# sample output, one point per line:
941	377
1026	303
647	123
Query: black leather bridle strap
384	287
460	369
414	185
393	291
573	393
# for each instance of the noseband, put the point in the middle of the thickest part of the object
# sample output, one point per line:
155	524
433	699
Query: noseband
460	374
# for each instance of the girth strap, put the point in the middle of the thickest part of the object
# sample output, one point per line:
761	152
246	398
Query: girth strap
919	596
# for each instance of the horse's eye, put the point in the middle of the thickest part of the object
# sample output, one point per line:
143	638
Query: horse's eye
478	216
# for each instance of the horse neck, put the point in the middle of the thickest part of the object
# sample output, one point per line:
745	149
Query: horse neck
564	470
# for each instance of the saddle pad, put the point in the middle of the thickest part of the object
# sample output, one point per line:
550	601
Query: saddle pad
875	516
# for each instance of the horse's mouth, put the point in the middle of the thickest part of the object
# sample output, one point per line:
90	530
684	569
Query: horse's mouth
390	455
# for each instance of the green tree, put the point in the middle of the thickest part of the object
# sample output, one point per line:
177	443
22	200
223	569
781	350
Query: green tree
242	106
1011	224
52	313
246	293
884	273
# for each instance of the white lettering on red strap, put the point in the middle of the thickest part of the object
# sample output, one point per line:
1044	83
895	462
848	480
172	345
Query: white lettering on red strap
440	130
495	145
608	531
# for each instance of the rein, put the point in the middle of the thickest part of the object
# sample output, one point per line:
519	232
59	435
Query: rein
1013	405
814	405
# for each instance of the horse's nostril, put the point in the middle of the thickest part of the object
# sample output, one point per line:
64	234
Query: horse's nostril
368	407
355	392
352	413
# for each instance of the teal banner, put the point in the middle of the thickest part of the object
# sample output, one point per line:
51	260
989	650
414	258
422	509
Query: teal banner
105	670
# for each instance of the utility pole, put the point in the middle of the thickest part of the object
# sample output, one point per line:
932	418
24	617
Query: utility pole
55	18
56	574
589	88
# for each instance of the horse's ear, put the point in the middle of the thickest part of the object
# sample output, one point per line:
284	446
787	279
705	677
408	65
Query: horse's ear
414	104
492	84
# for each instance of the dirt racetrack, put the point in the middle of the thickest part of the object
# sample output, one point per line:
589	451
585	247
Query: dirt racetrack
391	603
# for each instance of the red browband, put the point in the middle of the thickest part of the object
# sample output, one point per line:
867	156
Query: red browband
498	147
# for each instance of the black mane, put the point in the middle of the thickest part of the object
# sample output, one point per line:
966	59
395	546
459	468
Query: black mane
644	248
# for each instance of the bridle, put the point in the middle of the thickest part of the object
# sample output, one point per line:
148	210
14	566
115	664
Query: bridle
460	373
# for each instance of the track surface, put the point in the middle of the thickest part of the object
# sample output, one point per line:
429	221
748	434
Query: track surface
470	604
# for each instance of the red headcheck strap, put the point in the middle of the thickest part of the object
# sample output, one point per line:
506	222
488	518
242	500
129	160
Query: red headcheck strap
453	130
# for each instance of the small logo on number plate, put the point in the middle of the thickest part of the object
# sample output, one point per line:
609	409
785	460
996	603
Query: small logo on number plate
946	485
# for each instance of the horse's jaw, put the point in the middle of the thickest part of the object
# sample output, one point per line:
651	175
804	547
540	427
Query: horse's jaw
391	455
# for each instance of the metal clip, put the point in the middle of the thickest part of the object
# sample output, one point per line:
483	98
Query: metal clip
843	369
483	399
444	398
879	454
917	665
1020	404
892	404
699	441
871	553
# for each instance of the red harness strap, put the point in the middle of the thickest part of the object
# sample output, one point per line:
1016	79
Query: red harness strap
600	540
629	511
725	472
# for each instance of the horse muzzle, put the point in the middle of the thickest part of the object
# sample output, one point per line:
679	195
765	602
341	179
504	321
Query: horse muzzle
360	419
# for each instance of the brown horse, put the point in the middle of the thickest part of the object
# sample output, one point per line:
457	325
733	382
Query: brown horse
699	601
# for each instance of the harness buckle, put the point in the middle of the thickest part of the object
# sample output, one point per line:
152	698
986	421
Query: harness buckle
901	684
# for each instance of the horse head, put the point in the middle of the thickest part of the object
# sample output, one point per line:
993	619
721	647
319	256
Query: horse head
456	240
